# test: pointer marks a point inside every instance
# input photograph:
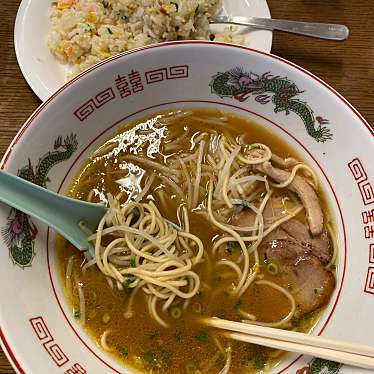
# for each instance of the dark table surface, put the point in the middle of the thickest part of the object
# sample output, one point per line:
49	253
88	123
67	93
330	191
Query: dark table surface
347	66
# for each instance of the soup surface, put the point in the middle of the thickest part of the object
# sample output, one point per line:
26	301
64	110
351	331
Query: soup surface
145	154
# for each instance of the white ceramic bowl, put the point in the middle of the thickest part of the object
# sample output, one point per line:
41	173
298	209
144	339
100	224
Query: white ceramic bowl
38	332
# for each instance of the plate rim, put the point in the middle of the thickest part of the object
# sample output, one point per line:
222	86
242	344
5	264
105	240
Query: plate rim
364	125
41	91
16	40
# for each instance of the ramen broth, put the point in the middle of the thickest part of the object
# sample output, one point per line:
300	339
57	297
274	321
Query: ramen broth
186	346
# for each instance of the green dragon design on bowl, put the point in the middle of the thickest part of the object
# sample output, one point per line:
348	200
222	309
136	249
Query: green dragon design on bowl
265	88
20	232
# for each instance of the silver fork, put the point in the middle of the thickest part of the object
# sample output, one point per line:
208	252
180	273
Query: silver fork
328	31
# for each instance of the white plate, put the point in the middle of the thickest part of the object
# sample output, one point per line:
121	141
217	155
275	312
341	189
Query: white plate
46	75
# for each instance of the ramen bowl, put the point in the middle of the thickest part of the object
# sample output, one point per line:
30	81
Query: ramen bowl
38	332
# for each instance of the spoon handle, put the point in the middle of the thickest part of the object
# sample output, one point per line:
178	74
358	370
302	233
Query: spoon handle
328	31
61	213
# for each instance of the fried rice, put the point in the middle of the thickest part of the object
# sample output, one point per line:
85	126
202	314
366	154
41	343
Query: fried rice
84	32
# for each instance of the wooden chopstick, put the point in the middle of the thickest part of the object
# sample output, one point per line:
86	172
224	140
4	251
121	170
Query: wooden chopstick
296	337
327	354
330	349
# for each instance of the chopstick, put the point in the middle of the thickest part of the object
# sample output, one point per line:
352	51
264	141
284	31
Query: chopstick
330	349
327	354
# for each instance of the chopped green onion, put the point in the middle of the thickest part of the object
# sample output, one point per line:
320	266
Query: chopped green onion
272	268
105	318
154	334
136	212
221	315
178	335
104	3
157	361
232	247
77	314
245	204
176	312
190	368
259	361
301	321
202	336
217	281
237	304
126	283
132	263
123	351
